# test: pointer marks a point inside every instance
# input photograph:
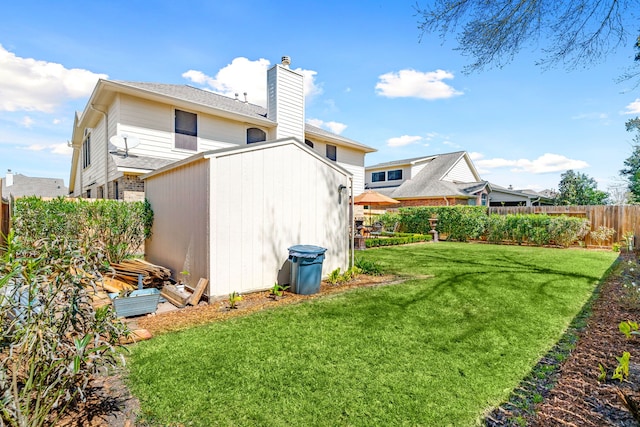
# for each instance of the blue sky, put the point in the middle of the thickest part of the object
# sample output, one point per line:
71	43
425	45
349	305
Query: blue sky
368	77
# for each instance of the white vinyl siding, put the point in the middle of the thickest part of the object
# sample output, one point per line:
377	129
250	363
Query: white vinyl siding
460	172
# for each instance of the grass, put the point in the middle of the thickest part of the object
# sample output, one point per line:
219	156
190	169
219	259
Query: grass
431	351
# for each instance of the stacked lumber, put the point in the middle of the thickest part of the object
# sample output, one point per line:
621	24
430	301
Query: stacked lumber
153	276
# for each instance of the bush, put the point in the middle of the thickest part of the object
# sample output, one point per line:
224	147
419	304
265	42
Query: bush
366	266
53	339
456	222
116	228
393	241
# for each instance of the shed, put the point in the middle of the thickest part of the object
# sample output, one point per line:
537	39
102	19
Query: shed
230	215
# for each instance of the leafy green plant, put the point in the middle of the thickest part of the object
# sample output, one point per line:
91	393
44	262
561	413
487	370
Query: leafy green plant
277	290
53	340
629	328
334	277
114	228
234	299
368	266
602	234
602	375
628	238
622	370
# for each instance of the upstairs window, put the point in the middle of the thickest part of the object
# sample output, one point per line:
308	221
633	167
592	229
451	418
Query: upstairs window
309	143
377	176
394	175
86	152
331	152
483	199
255	135
186	130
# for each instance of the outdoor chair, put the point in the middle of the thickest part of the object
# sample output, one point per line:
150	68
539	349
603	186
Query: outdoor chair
376	229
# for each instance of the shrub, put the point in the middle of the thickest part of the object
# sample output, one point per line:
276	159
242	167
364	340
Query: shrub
53	339
114	227
401	240
366	266
602	234
456	222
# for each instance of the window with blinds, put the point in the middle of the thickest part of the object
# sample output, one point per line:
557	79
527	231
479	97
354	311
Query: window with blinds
186	130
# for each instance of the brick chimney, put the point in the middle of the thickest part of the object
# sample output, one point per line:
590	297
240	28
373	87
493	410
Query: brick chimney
8	182
285	100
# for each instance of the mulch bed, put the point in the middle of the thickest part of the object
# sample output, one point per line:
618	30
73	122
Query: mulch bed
568	392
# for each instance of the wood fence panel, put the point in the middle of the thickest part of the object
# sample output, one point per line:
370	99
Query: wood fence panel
621	218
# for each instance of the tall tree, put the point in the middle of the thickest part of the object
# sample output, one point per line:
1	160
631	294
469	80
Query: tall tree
631	171
574	33
577	188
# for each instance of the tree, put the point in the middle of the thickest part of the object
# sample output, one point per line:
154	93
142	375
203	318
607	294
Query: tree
631	172
575	33
577	188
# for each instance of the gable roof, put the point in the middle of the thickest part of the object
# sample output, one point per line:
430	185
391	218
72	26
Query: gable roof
24	186
428	183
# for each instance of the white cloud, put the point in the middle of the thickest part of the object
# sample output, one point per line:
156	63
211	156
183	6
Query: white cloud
401	141
60	148
27	122
475	155
27	84
56	121
416	84
450	144
633	108
244	75
544	164
334	127
591	116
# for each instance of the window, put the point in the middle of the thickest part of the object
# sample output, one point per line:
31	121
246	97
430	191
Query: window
117	190
377	176
309	143
394	175
331	152
256	135
86	152
483	199
89	193
186	130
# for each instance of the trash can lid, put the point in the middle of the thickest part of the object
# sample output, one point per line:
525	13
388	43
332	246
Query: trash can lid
306	251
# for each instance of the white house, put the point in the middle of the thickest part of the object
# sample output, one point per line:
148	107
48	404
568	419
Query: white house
230	215
435	180
128	129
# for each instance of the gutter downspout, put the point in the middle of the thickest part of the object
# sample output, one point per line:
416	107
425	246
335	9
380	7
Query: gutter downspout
106	150
446	200
352	224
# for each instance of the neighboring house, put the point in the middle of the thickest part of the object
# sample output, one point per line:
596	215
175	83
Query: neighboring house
128	129
501	196
437	180
237	232
18	185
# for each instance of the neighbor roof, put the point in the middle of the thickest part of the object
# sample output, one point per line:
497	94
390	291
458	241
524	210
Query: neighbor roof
24	186
428	182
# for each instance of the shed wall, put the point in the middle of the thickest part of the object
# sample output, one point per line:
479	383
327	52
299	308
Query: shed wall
180	202
265	201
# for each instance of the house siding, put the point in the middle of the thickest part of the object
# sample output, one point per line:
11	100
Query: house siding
461	172
441	201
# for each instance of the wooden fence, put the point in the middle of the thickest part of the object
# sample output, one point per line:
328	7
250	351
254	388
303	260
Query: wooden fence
621	218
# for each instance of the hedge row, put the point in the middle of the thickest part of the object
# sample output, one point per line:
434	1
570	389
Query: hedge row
112	227
398	240
464	223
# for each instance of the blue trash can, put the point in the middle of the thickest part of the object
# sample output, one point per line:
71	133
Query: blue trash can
306	268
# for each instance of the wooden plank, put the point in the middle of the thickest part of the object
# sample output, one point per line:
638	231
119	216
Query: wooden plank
171	294
194	299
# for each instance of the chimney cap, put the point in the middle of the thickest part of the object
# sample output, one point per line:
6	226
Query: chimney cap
286	61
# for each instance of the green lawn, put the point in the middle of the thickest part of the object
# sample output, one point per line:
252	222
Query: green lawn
431	352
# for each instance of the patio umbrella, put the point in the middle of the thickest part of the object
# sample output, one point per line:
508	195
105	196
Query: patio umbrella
373	199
